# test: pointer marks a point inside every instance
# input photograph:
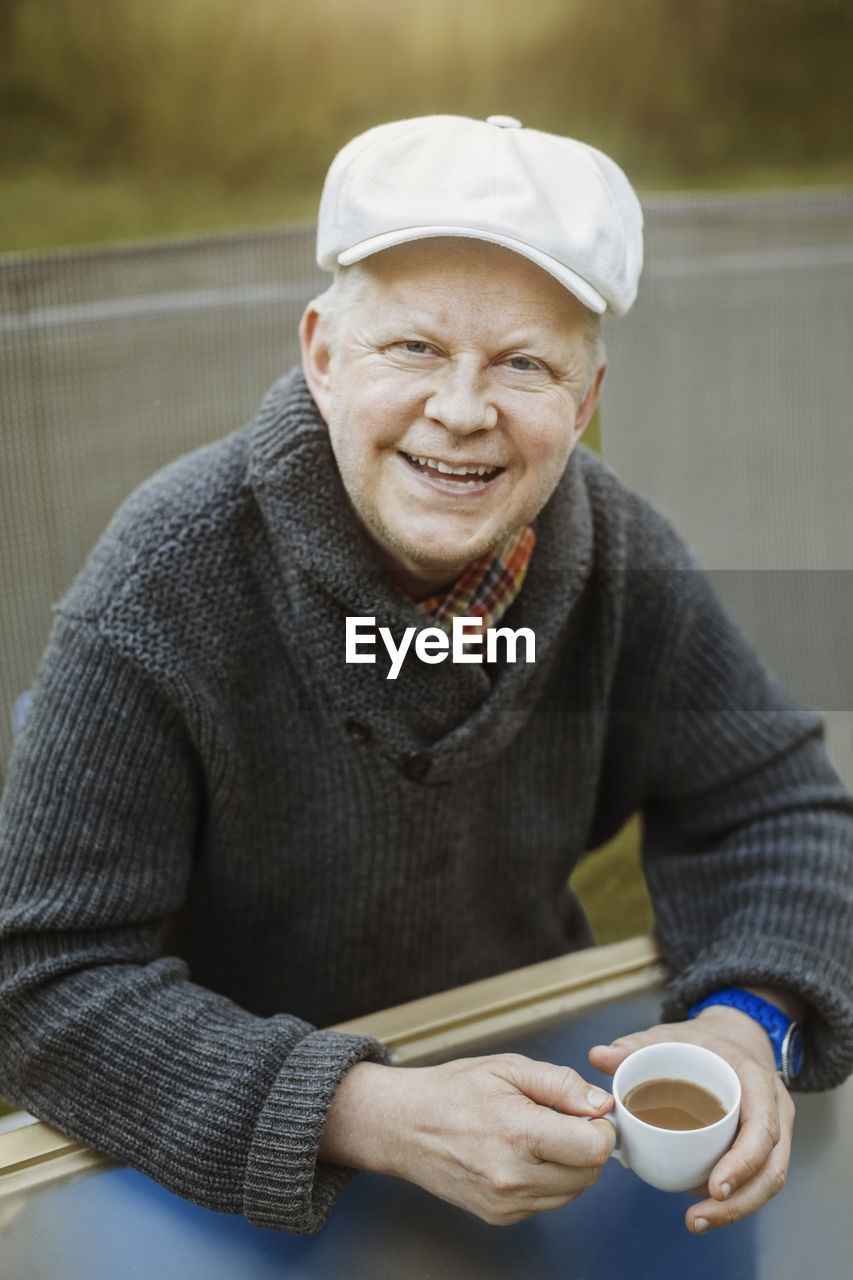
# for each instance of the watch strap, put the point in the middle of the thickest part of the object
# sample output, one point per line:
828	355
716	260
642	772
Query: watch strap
783	1031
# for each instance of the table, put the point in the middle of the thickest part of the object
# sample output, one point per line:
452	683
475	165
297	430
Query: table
79	1217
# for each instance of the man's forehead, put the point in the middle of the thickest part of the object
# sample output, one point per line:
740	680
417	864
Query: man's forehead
436	275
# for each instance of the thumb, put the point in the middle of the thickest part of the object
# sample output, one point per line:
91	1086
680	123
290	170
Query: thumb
607	1057
559	1087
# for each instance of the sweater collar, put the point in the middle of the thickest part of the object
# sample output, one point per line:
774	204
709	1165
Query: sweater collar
443	713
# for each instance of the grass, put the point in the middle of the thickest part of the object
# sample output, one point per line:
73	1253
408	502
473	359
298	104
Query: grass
610	884
43	208
121	121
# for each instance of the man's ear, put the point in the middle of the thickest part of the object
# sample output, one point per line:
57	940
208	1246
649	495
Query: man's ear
588	406
316	357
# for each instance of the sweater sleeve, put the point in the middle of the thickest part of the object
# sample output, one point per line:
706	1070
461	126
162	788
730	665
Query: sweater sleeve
100	1034
748	833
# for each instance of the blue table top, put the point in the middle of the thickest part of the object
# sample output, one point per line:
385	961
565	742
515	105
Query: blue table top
115	1223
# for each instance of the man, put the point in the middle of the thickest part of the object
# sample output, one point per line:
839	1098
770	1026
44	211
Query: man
228	825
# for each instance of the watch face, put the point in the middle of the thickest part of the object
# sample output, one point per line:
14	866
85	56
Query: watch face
793	1052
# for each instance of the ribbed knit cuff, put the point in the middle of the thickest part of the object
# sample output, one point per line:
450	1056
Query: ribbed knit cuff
788	966
285	1186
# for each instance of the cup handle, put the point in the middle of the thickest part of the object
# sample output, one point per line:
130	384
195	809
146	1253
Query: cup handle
616	1153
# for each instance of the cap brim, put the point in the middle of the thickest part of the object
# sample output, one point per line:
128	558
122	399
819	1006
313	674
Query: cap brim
570	280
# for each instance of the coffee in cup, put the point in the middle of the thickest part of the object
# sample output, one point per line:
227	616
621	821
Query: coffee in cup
674	1104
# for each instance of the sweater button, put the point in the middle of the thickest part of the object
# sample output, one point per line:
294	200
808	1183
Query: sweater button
358	731
417	765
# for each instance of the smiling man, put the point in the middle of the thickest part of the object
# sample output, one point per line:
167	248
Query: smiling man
219	835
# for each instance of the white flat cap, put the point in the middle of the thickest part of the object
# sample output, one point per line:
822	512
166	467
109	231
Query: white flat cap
559	202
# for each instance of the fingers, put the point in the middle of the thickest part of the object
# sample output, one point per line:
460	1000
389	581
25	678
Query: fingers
561	1094
755	1167
763	1099
563	1141
553	1143
551	1163
554	1086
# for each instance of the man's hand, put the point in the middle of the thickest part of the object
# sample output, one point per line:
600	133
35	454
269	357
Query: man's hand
753	1169
503	1137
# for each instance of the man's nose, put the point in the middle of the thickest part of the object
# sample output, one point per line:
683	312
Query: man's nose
461	400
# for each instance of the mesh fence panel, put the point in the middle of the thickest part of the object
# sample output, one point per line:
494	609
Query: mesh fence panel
111	364
727	401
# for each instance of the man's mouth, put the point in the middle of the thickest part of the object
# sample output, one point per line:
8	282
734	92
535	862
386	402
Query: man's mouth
465	474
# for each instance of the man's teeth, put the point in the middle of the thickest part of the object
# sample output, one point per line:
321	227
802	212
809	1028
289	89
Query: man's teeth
451	471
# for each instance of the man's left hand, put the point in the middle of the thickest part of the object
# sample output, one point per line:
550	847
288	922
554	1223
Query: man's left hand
753	1170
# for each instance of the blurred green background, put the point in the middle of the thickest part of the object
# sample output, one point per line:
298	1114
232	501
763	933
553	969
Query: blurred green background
121	119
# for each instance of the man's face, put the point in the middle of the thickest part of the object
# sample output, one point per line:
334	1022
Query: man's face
453	398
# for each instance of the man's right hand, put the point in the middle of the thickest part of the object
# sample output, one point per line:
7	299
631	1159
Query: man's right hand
503	1137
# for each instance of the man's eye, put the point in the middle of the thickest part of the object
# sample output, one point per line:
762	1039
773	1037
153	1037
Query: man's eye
522	364
413	347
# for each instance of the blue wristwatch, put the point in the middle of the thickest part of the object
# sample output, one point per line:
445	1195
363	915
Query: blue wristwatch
783	1031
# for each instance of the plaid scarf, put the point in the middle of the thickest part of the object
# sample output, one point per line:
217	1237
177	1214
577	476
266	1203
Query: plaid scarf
486	588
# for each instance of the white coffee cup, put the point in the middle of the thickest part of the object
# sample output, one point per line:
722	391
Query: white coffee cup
674	1159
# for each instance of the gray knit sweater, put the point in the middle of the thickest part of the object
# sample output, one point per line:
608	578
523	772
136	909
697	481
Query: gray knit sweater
217	836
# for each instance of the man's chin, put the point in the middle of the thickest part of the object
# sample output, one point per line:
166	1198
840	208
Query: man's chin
451	554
